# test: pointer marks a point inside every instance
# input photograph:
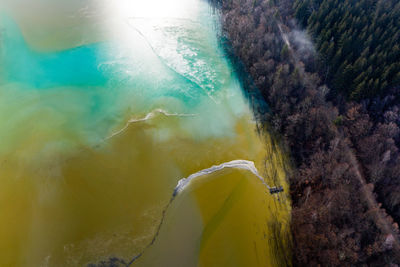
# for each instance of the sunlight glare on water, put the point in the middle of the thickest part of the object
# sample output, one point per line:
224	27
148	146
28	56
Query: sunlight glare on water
104	107
153	8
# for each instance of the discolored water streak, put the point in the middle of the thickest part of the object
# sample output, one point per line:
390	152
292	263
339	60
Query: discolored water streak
99	124
224	218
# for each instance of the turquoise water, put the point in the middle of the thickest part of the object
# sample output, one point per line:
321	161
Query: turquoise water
180	56
104	107
73	67
92	88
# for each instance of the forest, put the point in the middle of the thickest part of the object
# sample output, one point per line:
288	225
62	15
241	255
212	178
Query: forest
330	73
358	40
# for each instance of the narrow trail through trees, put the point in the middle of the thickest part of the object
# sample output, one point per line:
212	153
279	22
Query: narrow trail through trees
383	222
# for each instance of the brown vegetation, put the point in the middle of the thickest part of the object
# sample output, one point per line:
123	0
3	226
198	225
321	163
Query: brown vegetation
337	149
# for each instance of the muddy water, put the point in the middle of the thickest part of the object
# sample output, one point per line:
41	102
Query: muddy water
104	107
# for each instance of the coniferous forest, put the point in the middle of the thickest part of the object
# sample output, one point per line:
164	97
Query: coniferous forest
200	133
330	73
359	43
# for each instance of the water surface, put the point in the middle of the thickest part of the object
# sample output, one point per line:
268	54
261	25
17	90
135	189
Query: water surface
104	107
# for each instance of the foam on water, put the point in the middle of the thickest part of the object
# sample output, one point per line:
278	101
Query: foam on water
171	64
238	164
104	106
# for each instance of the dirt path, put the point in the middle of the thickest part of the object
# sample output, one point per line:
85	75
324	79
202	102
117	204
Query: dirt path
382	221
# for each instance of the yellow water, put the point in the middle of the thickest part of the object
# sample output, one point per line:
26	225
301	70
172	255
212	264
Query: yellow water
102	113
108	201
227	218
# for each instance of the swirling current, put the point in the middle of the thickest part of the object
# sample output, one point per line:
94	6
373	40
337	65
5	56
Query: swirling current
104	107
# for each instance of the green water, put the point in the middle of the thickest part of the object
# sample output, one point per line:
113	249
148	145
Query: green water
104	107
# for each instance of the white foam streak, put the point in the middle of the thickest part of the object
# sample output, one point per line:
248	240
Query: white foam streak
184	182
149	116
236	164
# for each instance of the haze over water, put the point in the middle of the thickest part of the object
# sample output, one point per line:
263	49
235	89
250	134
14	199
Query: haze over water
104	107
